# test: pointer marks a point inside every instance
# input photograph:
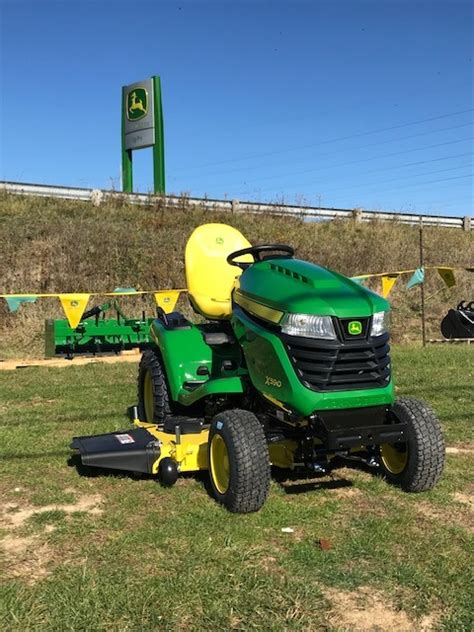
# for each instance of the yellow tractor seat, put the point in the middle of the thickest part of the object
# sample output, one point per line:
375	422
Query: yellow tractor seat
210	279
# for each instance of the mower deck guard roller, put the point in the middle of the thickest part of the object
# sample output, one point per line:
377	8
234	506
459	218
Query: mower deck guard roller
133	450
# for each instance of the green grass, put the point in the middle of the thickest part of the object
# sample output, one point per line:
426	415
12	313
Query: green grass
135	556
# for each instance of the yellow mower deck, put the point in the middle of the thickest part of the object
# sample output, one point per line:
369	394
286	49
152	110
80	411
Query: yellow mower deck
192	453
144	447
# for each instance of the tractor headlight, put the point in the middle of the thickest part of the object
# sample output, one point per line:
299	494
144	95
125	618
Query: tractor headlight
308	326
380	323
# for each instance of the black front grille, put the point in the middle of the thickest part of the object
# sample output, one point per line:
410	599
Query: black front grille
332	365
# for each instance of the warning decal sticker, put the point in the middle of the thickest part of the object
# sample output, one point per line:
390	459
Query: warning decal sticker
125	438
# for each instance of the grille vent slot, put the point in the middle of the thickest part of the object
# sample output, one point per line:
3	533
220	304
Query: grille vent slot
324	365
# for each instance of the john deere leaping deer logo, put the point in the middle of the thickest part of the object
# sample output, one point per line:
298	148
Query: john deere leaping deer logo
137	104
354	327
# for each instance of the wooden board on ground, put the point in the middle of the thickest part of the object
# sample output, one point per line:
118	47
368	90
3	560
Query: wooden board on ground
450	340
10	365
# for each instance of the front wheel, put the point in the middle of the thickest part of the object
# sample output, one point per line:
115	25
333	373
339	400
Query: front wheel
239	463
416	464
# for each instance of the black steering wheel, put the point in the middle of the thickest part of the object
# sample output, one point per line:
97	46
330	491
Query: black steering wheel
257	251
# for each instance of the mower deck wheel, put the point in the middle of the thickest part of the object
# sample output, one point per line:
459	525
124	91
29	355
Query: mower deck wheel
168	472
239	463
153	397
417	463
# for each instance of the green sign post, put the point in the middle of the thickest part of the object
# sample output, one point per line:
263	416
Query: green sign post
142	126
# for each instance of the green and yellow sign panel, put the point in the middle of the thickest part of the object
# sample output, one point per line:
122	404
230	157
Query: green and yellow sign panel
142	126
137	104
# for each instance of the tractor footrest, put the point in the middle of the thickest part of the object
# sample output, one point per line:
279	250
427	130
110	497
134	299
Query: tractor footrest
131	450
368	435
360	426
187	425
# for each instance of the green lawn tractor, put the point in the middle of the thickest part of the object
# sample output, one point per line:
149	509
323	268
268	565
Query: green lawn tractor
287	366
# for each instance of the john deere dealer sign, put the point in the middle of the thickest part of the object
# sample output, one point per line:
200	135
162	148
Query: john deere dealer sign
142	126
139	119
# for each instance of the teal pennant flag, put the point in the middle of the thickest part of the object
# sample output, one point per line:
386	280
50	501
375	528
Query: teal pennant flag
417	277
14	302
124	290
359	280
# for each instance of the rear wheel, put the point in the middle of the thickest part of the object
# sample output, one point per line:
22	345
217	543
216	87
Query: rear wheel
417	463
153	396
239	464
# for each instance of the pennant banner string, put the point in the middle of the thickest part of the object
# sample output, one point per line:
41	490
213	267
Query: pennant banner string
398	272
123	292
446	273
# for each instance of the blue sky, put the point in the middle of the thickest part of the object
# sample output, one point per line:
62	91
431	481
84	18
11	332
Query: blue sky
346	104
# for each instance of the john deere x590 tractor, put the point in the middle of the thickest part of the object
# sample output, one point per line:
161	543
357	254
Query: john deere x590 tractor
288	366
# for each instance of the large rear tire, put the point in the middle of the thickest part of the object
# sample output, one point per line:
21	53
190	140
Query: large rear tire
416	464
239	463
153	396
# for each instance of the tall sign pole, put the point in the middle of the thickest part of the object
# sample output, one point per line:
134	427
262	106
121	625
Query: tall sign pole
422	286
159	146
142	126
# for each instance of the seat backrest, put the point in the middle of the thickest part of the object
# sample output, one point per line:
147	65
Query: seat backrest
209	277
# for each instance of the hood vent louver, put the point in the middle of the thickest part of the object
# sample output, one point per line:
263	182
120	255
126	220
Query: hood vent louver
290	273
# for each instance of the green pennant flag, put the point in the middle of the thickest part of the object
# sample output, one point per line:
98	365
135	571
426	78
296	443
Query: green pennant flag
124	290
359	280
417	277
14	302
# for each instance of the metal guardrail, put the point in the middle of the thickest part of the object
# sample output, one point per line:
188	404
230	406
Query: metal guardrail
97	196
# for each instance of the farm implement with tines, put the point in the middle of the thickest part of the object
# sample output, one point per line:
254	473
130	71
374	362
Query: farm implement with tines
97	334
288	366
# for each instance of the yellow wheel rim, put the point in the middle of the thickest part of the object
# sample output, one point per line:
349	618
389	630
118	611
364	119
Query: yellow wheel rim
148	397
394	457
219	461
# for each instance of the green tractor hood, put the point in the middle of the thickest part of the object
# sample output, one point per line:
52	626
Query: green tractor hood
300	287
